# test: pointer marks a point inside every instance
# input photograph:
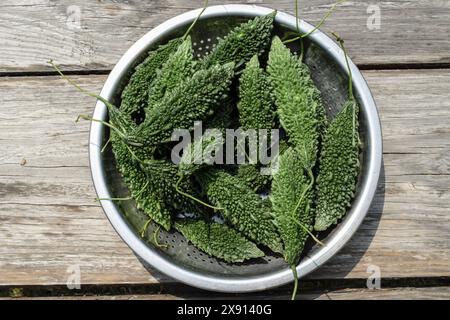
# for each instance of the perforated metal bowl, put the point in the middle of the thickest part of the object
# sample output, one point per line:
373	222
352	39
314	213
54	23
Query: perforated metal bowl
181	260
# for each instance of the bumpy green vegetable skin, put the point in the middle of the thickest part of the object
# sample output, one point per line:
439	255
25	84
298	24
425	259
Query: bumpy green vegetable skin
218	240
291	201
252	176
192	159
338	167
175	70
256	111
136	181
298	101
242	43
241	206
194	100
163	177
135	94
256	105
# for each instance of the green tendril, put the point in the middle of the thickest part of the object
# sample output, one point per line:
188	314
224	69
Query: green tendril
325	17
113	199
350	81
177	188
126	198
106	145
73	83
294	291
195	21
145	228
155	239
109	125
301	225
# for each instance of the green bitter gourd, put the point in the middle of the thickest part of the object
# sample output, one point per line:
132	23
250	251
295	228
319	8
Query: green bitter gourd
178	67
163	178
240	206
252	176
193	156
218	240
242	43
298	102
193	100
291	201
135	94
256	105
138	185
338	167
339	162
256	111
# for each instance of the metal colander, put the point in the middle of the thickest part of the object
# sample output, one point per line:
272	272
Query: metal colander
172	254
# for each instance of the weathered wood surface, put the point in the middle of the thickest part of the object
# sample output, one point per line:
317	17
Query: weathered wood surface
432	293
49	221
32	32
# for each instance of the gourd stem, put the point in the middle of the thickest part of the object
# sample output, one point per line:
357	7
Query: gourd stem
302	50
311	176
350	75
195	21
142	190
106	144
325	17
145	228
301	225
350	82
109	125
113	199
127	198
294	291
177	188
155	238
108	104
134	155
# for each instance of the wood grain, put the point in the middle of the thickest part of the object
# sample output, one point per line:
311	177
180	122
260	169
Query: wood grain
50	222
32	32
432	293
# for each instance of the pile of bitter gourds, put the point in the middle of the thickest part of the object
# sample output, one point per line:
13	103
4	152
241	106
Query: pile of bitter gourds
250	80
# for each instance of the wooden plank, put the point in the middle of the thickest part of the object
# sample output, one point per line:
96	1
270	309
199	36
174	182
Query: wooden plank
432	293
50	222
33	32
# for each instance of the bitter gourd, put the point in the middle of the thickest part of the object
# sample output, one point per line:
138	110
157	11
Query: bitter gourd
339	160
252	176
256	106
193	156
218	240
338	167
298	101
193	100
135	94
175	70
163	178
291	201
138	184
240	206
256	111
242	43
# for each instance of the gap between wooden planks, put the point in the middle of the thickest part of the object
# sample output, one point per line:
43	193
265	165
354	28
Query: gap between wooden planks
432	293
93	35
49	220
